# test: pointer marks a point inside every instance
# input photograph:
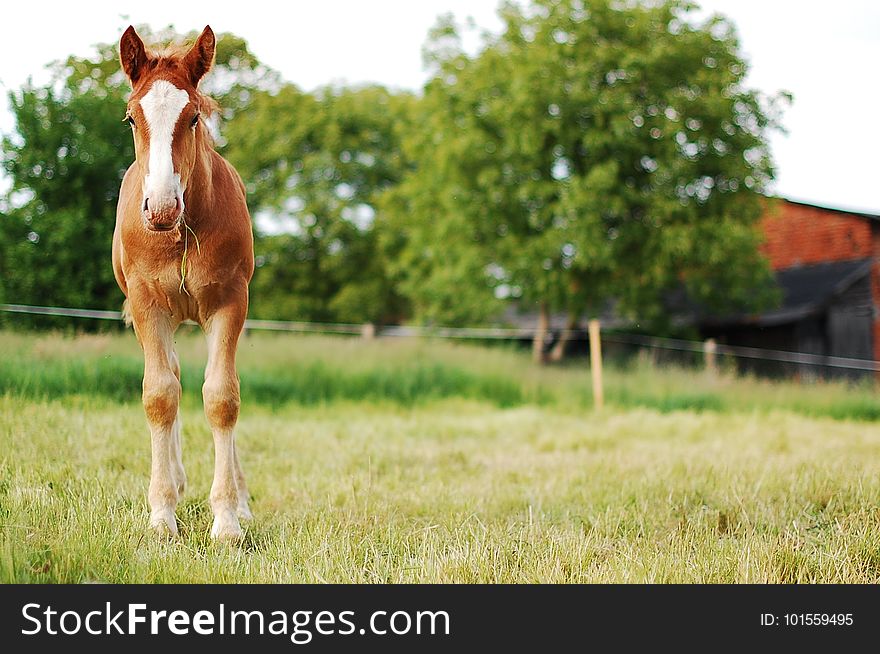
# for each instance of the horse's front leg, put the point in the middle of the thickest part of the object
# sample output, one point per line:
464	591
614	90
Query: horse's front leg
221	397
161	397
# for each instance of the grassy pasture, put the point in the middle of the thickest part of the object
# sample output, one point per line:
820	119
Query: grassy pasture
420	461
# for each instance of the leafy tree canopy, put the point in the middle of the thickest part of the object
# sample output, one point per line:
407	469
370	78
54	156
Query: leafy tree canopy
594	151
317	163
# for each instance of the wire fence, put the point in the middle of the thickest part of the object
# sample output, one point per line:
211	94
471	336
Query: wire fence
498	333
742	351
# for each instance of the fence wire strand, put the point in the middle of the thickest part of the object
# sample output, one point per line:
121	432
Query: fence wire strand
487	333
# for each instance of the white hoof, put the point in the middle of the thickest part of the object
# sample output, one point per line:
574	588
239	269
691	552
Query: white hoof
164	523
226	527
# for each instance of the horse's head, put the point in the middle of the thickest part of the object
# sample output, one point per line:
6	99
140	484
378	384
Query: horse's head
164	111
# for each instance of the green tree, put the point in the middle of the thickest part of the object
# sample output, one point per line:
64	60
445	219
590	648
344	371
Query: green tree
593	152
315	165
66	158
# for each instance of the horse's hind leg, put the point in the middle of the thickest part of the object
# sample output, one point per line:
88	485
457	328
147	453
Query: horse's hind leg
177	468
244	510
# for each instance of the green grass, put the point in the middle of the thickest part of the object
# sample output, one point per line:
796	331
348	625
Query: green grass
413	461
279	370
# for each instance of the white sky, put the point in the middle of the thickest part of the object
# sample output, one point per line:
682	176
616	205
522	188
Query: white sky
826	54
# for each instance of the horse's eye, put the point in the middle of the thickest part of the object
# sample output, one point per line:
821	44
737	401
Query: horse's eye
194	121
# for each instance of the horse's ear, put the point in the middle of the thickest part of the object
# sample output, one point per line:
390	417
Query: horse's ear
200	57
133	55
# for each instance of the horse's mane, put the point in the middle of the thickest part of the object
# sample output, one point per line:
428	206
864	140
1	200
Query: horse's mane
173	50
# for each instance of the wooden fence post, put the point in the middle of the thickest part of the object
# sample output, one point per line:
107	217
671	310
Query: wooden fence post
596	364
368	331
710	349
538	355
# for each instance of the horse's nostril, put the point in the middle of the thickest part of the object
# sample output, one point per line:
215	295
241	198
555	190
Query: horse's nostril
146	200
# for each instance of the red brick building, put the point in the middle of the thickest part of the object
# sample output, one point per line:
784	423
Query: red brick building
801	234
827	264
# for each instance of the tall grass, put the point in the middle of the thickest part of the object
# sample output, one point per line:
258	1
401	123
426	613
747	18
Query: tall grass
277	370
425	461
452	492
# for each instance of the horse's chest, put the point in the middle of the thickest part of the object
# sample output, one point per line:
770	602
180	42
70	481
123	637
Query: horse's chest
170	266
186	283
190	278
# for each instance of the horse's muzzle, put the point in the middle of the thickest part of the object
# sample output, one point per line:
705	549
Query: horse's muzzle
162	216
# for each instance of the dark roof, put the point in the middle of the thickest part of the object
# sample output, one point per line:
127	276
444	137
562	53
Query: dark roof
860	214
805	290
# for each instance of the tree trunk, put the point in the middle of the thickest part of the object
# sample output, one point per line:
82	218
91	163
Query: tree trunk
541	334
558	351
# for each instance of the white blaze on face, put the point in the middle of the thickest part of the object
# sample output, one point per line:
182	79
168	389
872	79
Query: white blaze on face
162	106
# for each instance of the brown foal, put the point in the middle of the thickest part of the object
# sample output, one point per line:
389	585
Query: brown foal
183	249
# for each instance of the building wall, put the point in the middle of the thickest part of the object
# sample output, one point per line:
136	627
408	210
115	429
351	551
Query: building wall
851	324
798	234
875	288
802	235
